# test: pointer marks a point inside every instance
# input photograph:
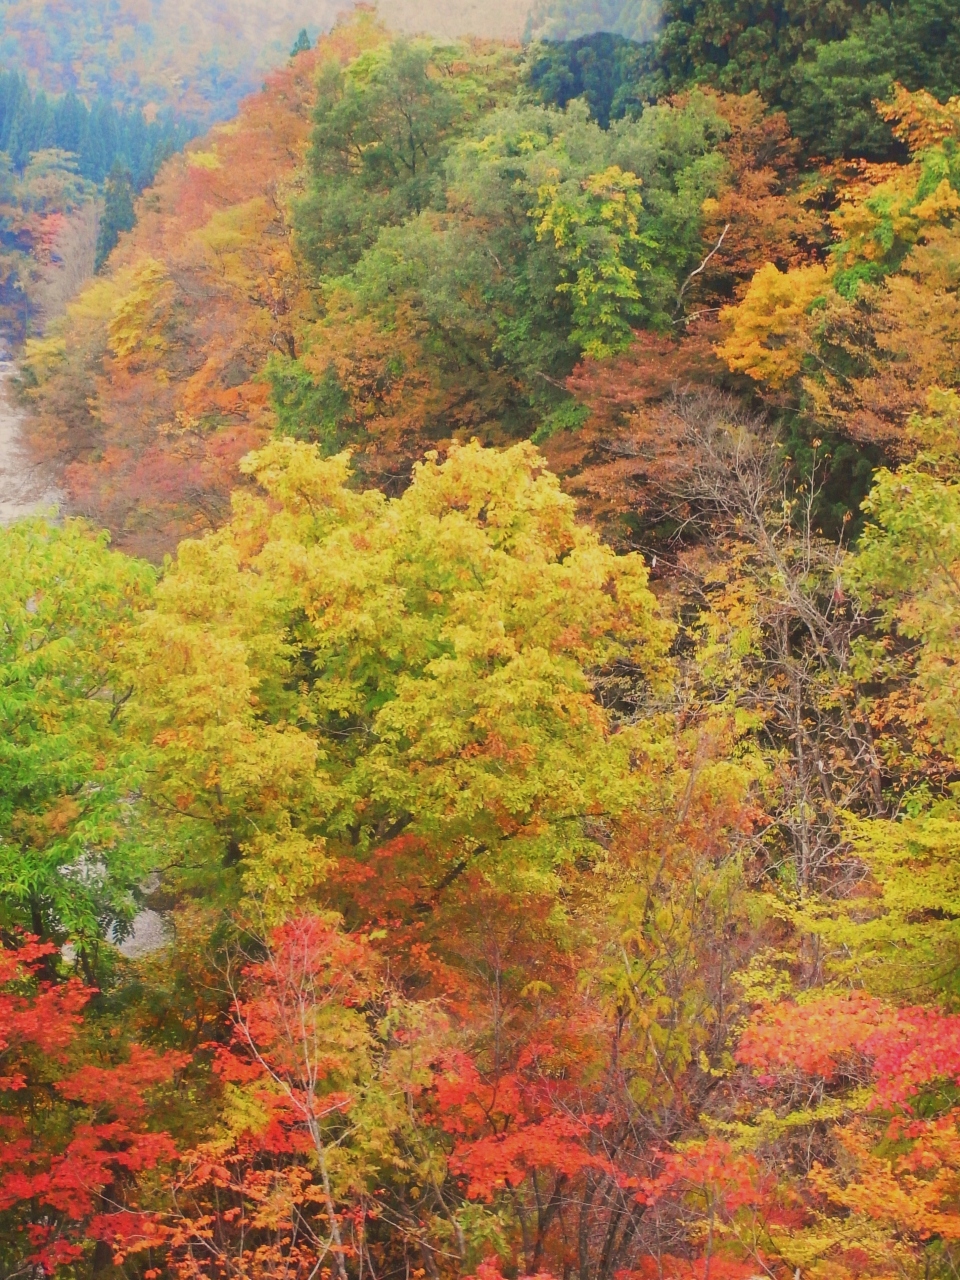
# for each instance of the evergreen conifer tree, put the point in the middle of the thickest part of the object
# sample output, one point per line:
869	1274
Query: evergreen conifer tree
118	212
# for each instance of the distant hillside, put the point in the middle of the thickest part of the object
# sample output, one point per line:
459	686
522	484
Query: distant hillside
200	56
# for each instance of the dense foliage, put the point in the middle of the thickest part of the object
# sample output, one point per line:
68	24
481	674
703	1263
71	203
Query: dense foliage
825	63
537	734
101	137
399	249
56	157
601	68
199	59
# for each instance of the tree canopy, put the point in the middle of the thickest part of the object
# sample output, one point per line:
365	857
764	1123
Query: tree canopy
479	747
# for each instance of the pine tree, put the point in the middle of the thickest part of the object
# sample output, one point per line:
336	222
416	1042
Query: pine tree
302	44
118	212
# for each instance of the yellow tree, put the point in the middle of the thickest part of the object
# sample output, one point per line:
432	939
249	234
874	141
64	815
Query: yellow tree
334	669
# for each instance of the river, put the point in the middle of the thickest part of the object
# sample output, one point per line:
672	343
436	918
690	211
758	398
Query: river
25	487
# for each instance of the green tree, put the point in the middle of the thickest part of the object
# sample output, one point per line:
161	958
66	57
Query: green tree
557	238
301	44
70	858
908	566
833	96
118	213
601	68
595	226
382	130
898	930
824	61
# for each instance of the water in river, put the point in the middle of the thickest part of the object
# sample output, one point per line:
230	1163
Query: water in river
25	488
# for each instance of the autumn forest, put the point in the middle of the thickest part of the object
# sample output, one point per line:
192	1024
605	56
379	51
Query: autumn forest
480	697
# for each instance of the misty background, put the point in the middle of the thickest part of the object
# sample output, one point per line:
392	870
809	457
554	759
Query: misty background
198	58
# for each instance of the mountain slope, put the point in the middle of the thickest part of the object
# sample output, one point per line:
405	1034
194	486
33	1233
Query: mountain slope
200	57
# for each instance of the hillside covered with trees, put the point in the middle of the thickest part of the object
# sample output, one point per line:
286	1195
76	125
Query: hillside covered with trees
69	175
198	58
503	629
109	91
825	62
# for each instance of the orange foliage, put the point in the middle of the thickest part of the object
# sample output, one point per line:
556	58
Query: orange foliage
628	458
909	1049
767	217
155	390
513	1125
919	119
905	335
